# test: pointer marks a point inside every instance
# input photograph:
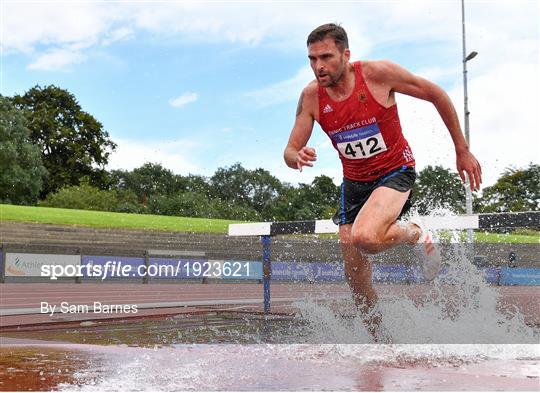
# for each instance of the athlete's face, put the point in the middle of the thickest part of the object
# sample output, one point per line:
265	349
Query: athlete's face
327	61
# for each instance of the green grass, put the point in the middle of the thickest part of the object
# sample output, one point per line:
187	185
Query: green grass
88	218
488	237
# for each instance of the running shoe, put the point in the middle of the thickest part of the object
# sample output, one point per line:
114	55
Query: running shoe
430	254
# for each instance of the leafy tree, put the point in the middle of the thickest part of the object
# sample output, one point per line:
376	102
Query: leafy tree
326	192
515	190
192	204
73	143
198	184
88	197
437	187
231	184
150	179
285	206
21	169
265	188
117	179
184	205
319	200
257	189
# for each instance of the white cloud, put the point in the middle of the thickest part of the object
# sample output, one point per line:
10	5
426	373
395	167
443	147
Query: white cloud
503	122
503	95
183	99
31	24
121	34
173	155
438	73
426	132
42	25
282	91
57	60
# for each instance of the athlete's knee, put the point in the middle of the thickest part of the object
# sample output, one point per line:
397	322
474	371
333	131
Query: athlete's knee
367	240
345	239
346	242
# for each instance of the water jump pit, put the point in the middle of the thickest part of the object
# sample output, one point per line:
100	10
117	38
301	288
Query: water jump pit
310	343
458	333
270	368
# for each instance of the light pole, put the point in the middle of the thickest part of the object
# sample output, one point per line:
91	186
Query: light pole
466	58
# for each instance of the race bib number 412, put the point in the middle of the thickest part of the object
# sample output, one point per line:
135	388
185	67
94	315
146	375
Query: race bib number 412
360	143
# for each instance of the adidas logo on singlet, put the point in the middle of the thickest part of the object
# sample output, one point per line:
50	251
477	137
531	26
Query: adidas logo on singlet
327	109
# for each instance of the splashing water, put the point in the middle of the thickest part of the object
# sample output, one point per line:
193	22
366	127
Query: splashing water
458	308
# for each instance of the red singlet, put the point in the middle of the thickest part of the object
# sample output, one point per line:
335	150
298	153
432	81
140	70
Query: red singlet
367	135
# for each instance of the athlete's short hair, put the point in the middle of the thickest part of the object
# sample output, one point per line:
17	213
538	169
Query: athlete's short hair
332	30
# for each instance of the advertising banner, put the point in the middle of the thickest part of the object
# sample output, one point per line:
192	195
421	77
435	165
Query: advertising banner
315	271
520	276
492	274
41	265
389	273
414	274
292	271
328	271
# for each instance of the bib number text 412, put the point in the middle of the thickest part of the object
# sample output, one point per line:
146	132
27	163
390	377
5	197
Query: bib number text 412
362	148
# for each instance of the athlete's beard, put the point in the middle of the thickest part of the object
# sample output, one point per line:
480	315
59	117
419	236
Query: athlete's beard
334	77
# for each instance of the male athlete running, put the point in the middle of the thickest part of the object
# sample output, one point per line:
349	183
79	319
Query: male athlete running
354	103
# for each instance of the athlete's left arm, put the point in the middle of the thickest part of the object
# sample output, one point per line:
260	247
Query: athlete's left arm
402	81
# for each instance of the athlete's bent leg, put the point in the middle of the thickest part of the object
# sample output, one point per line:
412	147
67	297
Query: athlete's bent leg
375	228
358	274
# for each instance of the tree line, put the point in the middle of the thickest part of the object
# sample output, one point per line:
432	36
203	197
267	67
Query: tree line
52	153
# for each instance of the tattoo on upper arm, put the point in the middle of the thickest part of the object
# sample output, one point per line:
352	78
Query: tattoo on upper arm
300	102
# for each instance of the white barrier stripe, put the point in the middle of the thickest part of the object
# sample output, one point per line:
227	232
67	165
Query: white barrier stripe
250	229
457	222
326	226
452	222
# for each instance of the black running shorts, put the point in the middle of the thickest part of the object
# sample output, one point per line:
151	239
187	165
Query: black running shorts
355	193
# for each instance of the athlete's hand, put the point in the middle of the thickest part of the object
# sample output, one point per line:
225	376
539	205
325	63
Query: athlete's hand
469	165
305	156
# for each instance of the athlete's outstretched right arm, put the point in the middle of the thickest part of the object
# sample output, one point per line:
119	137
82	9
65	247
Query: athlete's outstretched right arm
297	154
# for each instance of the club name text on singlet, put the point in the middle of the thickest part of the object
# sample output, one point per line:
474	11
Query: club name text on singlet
366	134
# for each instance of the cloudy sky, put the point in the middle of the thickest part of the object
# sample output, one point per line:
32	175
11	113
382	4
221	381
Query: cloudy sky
201	85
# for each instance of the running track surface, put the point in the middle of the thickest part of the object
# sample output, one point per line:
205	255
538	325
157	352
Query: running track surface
20	303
